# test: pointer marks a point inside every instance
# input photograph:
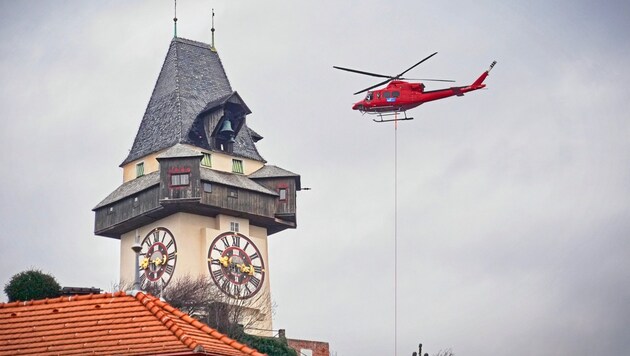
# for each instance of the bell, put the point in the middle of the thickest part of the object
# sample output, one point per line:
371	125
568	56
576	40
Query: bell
226	129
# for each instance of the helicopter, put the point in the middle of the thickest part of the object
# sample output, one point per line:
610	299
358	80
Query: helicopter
399	95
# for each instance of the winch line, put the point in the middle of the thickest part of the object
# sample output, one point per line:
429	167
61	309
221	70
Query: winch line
396	234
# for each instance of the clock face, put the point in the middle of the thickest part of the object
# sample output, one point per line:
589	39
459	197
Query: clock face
236	265
158	257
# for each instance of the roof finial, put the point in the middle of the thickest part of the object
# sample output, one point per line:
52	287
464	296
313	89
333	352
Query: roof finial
175	21
212	30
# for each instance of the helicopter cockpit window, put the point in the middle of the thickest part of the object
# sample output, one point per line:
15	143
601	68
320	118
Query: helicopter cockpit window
368	97
395	94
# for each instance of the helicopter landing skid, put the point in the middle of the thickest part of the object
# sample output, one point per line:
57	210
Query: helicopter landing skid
384	117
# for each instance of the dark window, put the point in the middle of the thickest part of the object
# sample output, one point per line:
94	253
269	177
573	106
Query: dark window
180	179
387	94
136	202
110	210
283	193
232	193
207	187
396	94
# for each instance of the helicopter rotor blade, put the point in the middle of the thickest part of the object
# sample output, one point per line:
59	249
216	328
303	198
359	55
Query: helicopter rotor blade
415	65
364	73
429	80
373	86
390	78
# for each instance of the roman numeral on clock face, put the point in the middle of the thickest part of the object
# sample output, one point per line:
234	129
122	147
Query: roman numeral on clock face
236	265
254	281
169	269
159	254
218	275
226	244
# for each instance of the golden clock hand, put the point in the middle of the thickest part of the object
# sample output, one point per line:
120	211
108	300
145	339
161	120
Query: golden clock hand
160	261
246	269
144	264
225	261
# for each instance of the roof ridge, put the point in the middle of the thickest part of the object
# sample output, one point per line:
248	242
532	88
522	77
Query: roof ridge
178	110
152	303
62	299
192	42
157	310
249	134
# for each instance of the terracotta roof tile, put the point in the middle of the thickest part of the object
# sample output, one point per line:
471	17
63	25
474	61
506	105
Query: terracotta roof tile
108	324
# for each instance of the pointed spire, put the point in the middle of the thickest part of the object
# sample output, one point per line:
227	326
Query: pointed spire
214	49
175	21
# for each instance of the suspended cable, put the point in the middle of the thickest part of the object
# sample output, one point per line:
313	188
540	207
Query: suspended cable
396	234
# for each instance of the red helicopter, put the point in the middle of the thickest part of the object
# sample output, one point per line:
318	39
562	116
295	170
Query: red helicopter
399	96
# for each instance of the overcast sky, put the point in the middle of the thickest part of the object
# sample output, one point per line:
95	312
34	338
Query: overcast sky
513	209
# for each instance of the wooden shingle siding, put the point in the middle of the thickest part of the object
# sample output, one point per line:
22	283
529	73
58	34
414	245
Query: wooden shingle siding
247	201
127	208
172	166
287	206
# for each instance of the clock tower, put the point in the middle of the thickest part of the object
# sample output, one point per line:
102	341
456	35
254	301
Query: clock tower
196	194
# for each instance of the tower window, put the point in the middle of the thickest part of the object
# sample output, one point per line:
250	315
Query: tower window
283	193
207	187
139	169
237	166
234	226
206	161
180	179
232	193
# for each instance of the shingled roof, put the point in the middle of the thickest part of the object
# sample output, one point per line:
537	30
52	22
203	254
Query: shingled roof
192	77
271	171
108	324
147	181
130	188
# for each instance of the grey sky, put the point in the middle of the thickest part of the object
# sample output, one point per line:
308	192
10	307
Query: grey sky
513	202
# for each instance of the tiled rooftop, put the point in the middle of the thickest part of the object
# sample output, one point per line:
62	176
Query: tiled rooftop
108	324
